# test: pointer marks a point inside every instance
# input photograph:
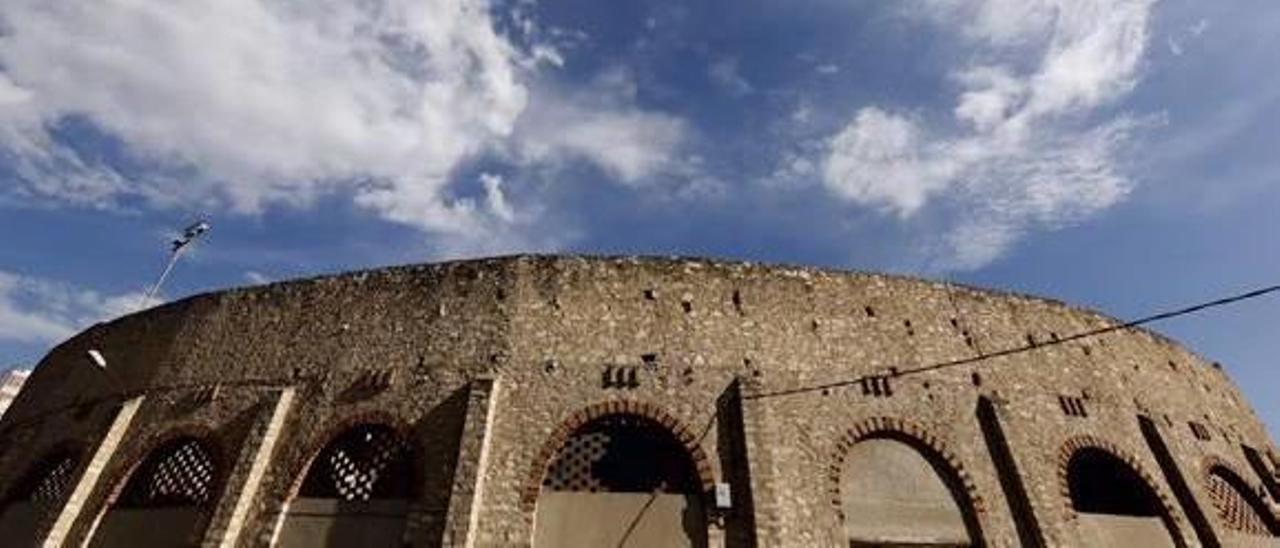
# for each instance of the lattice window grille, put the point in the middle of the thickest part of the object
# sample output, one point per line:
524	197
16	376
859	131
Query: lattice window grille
365	463
186	474
48	493
572	471
1235	511
622	453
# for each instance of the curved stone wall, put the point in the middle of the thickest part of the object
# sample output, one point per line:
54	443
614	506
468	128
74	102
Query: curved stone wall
767	376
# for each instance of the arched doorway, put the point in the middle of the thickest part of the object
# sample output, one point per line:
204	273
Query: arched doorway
38	495
620	480
1114	505
167	500
356	492
1239	507
896	493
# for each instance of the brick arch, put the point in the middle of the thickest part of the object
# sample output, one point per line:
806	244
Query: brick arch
687	438
317	444
1268	522
1069	449
932	448
218	453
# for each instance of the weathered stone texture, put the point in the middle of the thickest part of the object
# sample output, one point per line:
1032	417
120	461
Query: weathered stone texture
486	366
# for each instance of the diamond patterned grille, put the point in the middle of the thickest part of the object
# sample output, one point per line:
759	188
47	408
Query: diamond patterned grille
178	473
365	462
47	482
622	454
1238	507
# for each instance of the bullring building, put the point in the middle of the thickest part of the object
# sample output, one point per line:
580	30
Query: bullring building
575	401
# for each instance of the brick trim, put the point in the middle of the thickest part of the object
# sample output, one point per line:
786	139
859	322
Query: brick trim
558	437
932	448
1207	466
1069	449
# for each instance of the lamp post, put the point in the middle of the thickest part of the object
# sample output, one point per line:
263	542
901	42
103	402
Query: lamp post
189	235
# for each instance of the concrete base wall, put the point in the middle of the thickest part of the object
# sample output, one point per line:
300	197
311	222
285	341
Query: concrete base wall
569	520
329	522
157	527
19	523
1108	530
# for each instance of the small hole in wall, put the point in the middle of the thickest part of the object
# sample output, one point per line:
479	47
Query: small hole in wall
1053	336
649	359
1031	339
1173	365
826	392
925	385
1085	348
871	312
650	294
955	323
976	379
687	306
907	324
737	301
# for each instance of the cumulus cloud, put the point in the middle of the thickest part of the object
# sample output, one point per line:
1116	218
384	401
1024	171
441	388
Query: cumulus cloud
724	72
35	310
600	124
251	103
1023	147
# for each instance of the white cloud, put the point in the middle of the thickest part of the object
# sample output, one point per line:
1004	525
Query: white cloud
1020	151
724	72
274	102
600	124
34	310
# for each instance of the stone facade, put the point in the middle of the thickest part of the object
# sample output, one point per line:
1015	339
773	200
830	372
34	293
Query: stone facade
766	375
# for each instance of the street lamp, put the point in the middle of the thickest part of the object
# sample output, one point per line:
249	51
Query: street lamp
189	235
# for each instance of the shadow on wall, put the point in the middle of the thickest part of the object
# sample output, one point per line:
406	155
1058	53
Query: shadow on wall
1115	505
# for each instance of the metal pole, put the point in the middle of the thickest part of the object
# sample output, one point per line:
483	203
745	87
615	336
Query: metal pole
173	259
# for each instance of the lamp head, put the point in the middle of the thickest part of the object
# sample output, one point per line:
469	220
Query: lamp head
97	358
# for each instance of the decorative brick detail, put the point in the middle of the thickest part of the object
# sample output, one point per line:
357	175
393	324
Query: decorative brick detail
1238	507
915	435
690	441
1077	443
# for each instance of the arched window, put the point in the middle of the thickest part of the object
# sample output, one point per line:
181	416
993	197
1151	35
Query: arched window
893	494
167	500
1115	505
621	479
355	493
38	494
1239	507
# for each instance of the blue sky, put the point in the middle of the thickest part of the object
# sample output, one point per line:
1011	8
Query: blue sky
1118	154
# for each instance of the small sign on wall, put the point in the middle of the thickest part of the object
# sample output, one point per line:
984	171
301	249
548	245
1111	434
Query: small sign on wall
723	498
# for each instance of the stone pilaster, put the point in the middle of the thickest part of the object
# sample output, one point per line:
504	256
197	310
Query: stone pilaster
74	506
243	484
473	455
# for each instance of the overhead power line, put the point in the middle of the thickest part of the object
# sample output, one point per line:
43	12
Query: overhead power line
894	373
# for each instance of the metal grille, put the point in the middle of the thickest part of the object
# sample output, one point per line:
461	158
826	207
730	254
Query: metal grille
46	483
365	462
178	473
622	453
1239	510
